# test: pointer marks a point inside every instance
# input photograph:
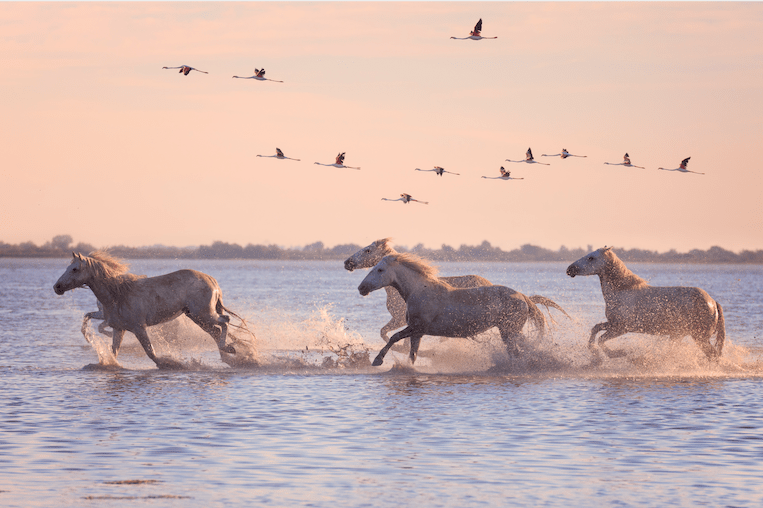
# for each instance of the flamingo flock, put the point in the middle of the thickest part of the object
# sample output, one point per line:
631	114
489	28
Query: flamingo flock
475	35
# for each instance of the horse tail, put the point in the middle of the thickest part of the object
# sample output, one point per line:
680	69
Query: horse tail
537	317
219	307
548	302
720	328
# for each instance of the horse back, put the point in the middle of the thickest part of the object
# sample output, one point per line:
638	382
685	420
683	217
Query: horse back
466	281
663	310
455	312
157	299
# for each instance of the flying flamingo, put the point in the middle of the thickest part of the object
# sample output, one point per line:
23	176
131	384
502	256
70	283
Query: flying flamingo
339	162
438	170
475	34
505	175
529	159
626	162
185	69
279	155
563	155
406	198
682	167
259	75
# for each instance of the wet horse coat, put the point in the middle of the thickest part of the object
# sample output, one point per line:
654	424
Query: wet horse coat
132	303
632	305
436	308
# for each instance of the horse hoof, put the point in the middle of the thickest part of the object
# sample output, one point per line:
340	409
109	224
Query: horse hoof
377	361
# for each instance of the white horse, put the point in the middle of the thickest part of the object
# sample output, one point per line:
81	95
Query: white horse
132	303
370	255
632	305
436	308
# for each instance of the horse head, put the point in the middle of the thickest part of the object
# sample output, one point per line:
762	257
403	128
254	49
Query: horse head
591	264
379	276
368	256
76	275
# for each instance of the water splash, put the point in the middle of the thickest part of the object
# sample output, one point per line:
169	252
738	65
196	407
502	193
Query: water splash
324	343
102	348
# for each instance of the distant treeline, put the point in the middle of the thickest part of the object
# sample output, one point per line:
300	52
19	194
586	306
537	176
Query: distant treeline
62	246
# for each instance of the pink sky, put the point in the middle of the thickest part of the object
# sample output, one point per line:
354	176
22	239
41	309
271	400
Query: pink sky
100	143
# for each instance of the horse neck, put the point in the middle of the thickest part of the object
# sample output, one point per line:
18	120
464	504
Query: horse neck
407	282
617	277
106	289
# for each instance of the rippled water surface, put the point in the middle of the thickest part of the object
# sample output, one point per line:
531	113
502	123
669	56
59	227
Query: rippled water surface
315	425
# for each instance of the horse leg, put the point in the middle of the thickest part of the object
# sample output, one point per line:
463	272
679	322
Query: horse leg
394	323
594	331
510	338
116	341
142	336
402	334
415	343
102	329
702	339
216	329
608	335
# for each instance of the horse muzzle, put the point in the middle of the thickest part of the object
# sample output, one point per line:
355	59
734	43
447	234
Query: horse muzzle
59	289
364	289
572	270
349	265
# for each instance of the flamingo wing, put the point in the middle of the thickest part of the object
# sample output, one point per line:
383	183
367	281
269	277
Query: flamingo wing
279	152
478	27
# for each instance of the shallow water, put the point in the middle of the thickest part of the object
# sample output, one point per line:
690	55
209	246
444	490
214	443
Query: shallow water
660	426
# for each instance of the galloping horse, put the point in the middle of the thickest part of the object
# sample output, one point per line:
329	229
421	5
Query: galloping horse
632	305
371	255
433	307
131	302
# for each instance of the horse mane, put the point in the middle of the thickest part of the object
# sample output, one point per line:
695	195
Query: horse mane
112	271
620	275
107	265
384	244
417	264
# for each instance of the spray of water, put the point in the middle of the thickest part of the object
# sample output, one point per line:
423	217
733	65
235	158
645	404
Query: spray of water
323	343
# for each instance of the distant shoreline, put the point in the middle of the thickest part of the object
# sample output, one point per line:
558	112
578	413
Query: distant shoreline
61	247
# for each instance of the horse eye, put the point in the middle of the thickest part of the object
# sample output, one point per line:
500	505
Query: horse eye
590	258
368	250
75	269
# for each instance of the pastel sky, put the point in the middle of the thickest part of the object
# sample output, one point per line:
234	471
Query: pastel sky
98	142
